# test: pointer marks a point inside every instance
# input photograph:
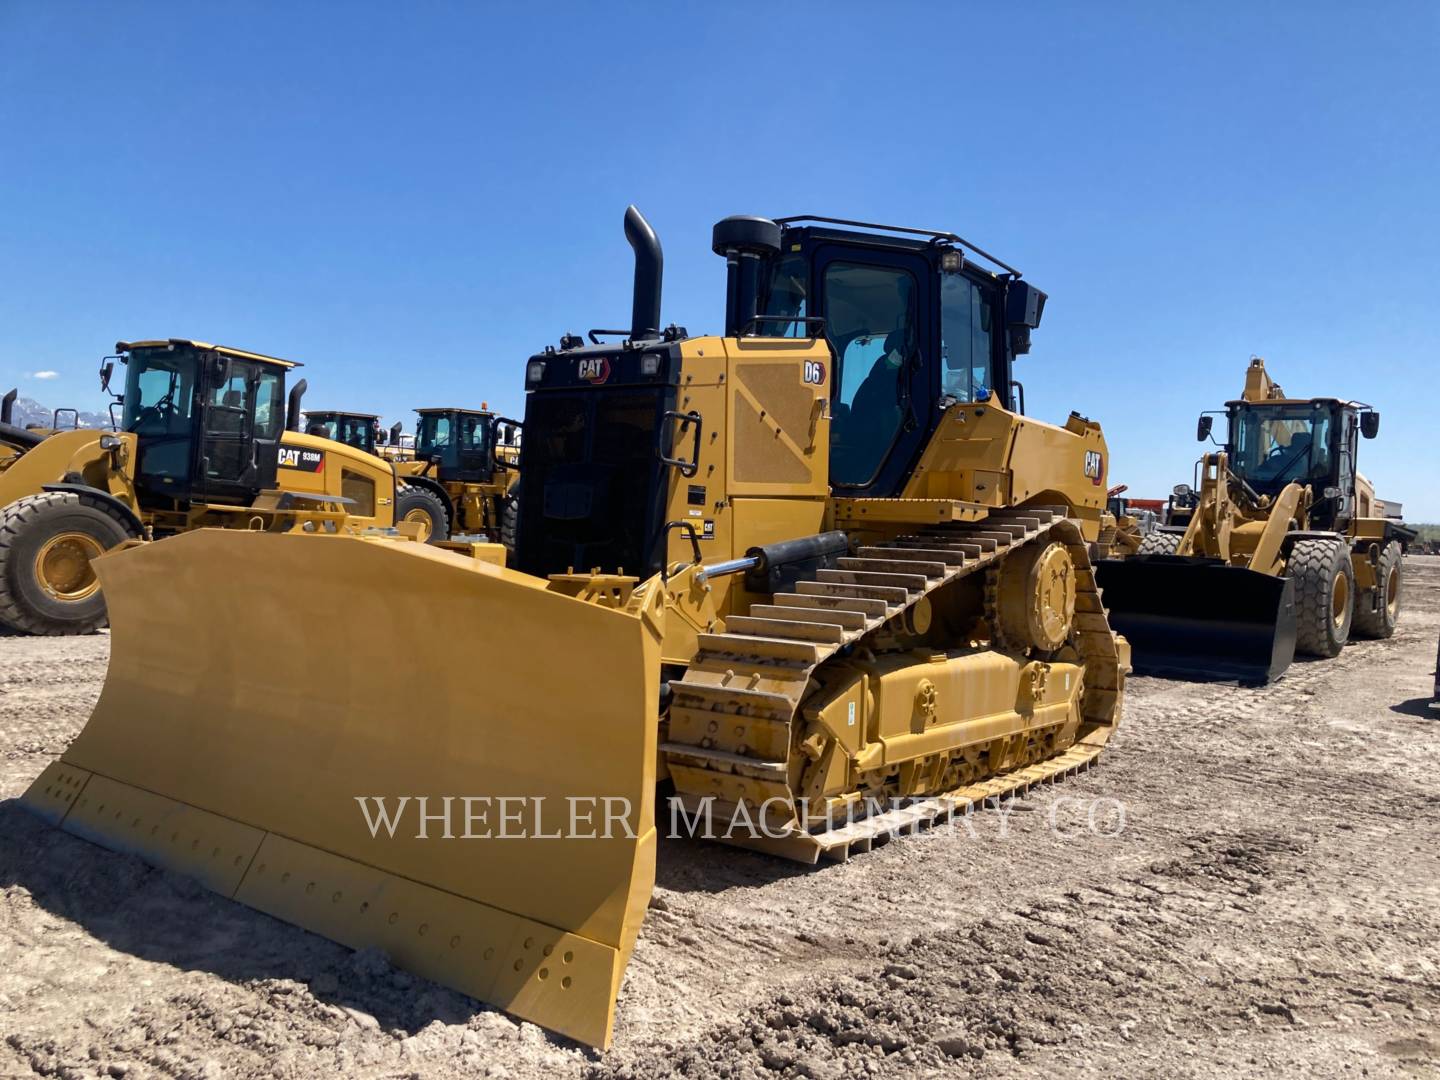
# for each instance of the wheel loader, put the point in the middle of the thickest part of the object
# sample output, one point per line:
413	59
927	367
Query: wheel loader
818	571
417	504
360	430
202	442
467	460
1281	551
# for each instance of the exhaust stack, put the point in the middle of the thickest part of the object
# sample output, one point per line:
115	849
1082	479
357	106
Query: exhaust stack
649	271
292	411
7	406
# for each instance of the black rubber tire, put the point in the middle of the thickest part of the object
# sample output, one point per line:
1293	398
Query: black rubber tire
1381	623
1160	543
25	526
1314	566
510	522
408	498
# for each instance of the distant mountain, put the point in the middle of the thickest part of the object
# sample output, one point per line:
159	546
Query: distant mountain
28	411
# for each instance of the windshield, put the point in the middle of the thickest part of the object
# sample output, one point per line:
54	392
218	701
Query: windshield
356	431
159	391
438	432
1272	445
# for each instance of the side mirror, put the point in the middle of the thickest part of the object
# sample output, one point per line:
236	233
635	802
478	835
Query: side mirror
1202	429
1369	423
507	434
107	369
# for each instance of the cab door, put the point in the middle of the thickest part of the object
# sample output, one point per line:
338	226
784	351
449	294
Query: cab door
240	425
879	313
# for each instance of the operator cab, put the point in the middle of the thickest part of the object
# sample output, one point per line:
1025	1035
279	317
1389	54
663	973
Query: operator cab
360	430
915	324
1312	443
209	418
461	443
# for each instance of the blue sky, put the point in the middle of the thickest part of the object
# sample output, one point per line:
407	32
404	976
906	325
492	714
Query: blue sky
412	198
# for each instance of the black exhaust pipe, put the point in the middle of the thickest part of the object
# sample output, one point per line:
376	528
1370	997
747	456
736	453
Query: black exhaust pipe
649	271
745	243
292	411
7	406
395	431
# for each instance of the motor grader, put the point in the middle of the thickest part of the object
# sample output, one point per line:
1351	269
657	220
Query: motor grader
819	571
1282	550
202	442
467	460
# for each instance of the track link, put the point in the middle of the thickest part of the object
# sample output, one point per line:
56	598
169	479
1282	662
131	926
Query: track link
754	678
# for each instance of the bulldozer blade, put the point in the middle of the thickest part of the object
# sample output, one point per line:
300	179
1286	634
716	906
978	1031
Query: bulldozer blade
391	745
1200	618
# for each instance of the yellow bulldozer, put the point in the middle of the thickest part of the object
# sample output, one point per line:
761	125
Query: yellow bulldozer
819	572
202	441
1280	550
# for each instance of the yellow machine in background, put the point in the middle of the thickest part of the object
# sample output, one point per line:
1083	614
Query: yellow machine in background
1283	550
468	461
202	443
820	571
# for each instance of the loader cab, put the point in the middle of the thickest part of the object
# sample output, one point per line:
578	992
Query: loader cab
461	443
915	324
1313	443
208	420
353	429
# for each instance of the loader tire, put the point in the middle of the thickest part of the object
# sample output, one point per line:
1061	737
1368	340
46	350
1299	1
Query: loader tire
47	585
424	506
1324	596
1378	610
1160	543
510	522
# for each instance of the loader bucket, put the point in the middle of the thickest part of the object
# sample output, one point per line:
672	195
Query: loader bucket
265	690
1200	619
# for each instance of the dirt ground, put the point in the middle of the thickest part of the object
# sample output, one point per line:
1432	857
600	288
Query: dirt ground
1249	882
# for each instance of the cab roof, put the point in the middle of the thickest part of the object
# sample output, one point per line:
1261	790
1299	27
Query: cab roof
223	350
475	412
342	412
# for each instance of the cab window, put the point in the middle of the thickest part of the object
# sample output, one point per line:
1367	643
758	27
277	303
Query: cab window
158	392
785	298
269	405
870	317
474	433
434	434
965	371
